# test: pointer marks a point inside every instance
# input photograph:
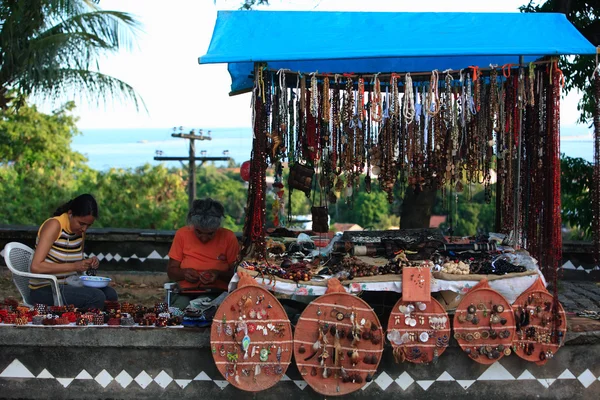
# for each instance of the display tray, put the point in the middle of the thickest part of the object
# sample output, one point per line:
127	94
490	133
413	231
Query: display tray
251	339
388	277
508	286
350	344
422	327
542	335
479	277
484	325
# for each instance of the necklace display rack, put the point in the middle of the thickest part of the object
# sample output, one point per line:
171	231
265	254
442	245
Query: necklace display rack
251	339
444	130
418	331
338	343
484	325
540	331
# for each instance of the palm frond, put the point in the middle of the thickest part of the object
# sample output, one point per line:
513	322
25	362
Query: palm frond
113	27
55	45
95	87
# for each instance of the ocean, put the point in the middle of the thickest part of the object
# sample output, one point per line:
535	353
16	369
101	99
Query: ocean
130	148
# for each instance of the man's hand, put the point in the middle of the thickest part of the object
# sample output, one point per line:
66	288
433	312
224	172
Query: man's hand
208	277
191	275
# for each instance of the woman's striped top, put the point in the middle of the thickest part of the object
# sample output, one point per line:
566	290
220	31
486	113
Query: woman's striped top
67	248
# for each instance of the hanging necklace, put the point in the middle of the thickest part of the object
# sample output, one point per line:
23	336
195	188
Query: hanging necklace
432	103
326	102
314	95
409	102
376	111
361	99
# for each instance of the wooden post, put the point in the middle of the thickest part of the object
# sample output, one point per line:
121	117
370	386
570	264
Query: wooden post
191	158
192	174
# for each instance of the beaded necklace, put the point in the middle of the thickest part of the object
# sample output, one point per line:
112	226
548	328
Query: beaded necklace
376	110
596	180
432	103
301	121
369	143
336	128
409	102
326	102
314	95
254	234
361	99
530	85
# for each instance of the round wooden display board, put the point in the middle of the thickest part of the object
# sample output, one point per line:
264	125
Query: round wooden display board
332	313
433	321
254	310
483	338
530	301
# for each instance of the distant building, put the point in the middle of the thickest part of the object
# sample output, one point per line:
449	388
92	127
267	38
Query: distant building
436	220
340	227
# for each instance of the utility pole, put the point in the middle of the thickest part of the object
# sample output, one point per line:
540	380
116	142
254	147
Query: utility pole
192	137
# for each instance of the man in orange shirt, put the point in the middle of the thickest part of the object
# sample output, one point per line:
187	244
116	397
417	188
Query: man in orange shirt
203	254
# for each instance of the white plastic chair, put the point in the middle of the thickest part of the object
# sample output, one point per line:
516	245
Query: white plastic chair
18	259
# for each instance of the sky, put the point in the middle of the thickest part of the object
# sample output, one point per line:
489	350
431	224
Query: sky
163	67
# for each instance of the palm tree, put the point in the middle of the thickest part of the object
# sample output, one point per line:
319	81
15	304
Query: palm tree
51	48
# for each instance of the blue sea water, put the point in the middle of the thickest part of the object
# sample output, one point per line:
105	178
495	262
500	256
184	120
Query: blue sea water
130	148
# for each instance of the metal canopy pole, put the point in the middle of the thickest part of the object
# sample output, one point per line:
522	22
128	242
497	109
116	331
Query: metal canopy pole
517	188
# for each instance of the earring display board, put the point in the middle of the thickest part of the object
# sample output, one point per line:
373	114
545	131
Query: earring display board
484	325
251	339
540	330
338	342
419	332
416	284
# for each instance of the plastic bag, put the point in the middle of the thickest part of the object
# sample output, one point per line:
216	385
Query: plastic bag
74	281
325	251
304	238
521	258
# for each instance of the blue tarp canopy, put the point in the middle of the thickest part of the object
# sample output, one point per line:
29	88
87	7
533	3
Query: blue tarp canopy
372	42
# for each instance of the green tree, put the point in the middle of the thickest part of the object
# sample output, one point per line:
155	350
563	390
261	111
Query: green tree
38	169
51	48
469	214
583	14
39	172
226	187
31	139
369	210
576	181
250	4
150	197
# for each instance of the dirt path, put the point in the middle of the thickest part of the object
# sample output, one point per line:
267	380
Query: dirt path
143	289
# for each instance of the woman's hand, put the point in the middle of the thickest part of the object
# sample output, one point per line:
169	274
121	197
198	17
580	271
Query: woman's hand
94	262
82	266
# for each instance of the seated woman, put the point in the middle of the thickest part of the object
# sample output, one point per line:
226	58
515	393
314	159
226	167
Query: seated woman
202	254
59	251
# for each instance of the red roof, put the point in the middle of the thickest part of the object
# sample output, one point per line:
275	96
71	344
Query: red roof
341	227
436	220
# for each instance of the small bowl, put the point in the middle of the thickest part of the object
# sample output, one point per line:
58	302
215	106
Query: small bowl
95	281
